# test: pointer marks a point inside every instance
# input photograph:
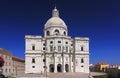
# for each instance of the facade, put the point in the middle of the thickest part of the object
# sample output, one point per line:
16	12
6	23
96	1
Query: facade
11	62
56	51
7	69
101	67
18	66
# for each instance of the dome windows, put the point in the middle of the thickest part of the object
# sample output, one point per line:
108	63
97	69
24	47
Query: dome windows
59	41
48	33
64	33
57	32
55	22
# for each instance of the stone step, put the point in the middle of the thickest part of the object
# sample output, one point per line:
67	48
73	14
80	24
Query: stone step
55	75
32	77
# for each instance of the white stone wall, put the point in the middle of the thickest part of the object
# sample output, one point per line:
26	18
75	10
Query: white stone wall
30	54
61	55
33	41
81	54
8	65
37	65
45	42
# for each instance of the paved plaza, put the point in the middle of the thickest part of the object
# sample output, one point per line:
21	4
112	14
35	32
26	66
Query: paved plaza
57	75
60	75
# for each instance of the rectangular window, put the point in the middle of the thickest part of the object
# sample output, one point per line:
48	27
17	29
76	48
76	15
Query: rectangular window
59	48
59	41
33	60
51	48
82	48
66	49
33	47
82	61
6	70
63	48
6	63
9	64
6	56
9	70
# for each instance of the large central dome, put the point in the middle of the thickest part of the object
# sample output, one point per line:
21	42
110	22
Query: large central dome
55	21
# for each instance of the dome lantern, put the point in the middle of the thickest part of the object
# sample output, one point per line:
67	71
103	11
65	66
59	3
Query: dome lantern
55	12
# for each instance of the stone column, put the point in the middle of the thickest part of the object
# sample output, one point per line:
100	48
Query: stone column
74	61
47	64
64	64
69	62
55	64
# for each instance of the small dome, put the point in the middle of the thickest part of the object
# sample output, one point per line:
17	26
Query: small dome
55	20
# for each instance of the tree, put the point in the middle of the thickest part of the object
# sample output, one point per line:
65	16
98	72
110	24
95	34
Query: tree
1	62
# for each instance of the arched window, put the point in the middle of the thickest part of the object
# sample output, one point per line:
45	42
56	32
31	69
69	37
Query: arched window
57	32
64	33
48	33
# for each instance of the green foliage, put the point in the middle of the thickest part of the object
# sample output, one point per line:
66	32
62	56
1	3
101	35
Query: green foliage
1	62
119	74
102	76
10	77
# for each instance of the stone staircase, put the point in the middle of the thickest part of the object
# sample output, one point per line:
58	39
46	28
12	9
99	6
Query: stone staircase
55	75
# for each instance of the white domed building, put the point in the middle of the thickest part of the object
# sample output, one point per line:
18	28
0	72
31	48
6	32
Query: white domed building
56	52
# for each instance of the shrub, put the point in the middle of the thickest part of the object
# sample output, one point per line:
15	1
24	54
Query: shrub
1	62
102	76
10	77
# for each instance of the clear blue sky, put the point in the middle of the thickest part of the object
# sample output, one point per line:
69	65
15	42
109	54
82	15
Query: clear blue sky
97	19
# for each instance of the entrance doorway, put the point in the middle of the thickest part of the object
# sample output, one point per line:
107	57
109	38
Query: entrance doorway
51	67
59	68
66	67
